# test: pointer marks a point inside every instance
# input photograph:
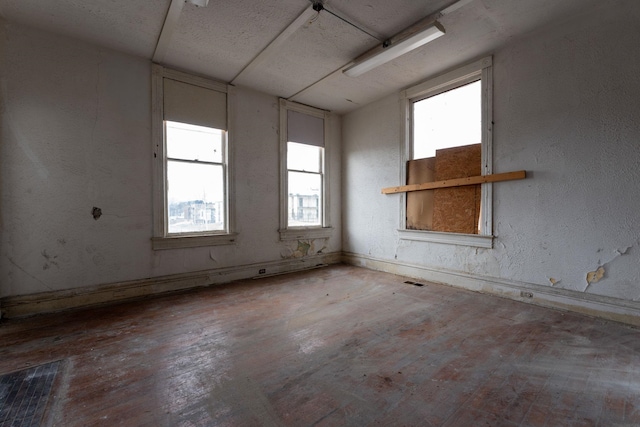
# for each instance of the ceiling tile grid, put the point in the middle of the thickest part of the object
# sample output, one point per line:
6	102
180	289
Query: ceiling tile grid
223	38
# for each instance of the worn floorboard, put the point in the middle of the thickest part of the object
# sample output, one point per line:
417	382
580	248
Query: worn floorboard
331	347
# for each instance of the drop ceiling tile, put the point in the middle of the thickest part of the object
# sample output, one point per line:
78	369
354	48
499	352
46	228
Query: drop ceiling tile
386	17
222	38
129	26
314	51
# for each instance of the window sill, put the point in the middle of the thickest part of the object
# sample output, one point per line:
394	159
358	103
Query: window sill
178	242
474	240
305	233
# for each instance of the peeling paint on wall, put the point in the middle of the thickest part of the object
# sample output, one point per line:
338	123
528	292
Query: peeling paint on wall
553	281
624	251
303	248
595	276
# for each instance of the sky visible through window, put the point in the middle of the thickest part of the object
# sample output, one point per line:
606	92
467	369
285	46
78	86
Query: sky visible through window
450	119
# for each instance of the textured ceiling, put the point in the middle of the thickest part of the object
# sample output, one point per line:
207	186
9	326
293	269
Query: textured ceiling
130	26
220	40
318	48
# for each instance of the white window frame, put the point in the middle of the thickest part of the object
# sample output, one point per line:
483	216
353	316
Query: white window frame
311	232
479	70
161	239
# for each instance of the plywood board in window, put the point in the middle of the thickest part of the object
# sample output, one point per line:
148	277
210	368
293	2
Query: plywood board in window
420	203
457	209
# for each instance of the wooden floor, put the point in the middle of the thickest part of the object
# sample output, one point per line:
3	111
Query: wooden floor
334	346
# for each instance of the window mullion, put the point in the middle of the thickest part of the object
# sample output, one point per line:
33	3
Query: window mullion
304	171
198	162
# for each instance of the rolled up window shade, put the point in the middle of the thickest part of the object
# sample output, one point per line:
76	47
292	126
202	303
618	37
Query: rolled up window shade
196	105
305	129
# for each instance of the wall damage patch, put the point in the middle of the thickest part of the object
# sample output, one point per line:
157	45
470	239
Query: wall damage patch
624	251
303	248
618	260
553	281
96	213
50	260
595	276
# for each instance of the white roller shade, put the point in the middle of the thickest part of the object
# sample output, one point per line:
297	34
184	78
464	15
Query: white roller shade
305	129
196	105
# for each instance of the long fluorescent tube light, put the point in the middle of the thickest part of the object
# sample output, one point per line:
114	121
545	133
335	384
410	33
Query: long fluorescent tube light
199	3
394	49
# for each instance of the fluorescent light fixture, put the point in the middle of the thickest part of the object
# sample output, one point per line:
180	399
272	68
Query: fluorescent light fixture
392	49
199	3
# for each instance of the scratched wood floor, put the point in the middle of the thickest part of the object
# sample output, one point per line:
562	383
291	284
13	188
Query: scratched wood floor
334	346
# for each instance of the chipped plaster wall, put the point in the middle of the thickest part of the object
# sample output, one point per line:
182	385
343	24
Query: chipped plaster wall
76	134
566	108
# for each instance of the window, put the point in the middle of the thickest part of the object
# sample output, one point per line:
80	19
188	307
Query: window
195	178
191	161
305	181
446	120
304	192
447	135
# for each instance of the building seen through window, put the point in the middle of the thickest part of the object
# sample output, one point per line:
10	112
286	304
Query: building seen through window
304	169
195	178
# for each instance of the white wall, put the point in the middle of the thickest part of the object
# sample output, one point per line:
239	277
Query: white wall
566	109
76	133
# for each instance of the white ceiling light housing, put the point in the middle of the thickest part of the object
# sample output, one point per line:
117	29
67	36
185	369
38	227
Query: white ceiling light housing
392	49
199	3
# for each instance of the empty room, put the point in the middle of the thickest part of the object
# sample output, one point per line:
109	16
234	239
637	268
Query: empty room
319	213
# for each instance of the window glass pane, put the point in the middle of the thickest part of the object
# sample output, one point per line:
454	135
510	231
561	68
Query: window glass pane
303	157
450	119
190	142
195	195
305	199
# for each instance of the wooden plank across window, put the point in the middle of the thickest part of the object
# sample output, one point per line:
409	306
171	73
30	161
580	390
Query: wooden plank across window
458	182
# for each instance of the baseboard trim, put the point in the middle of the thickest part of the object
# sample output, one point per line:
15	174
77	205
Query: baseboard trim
594	305
589	304
45	302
